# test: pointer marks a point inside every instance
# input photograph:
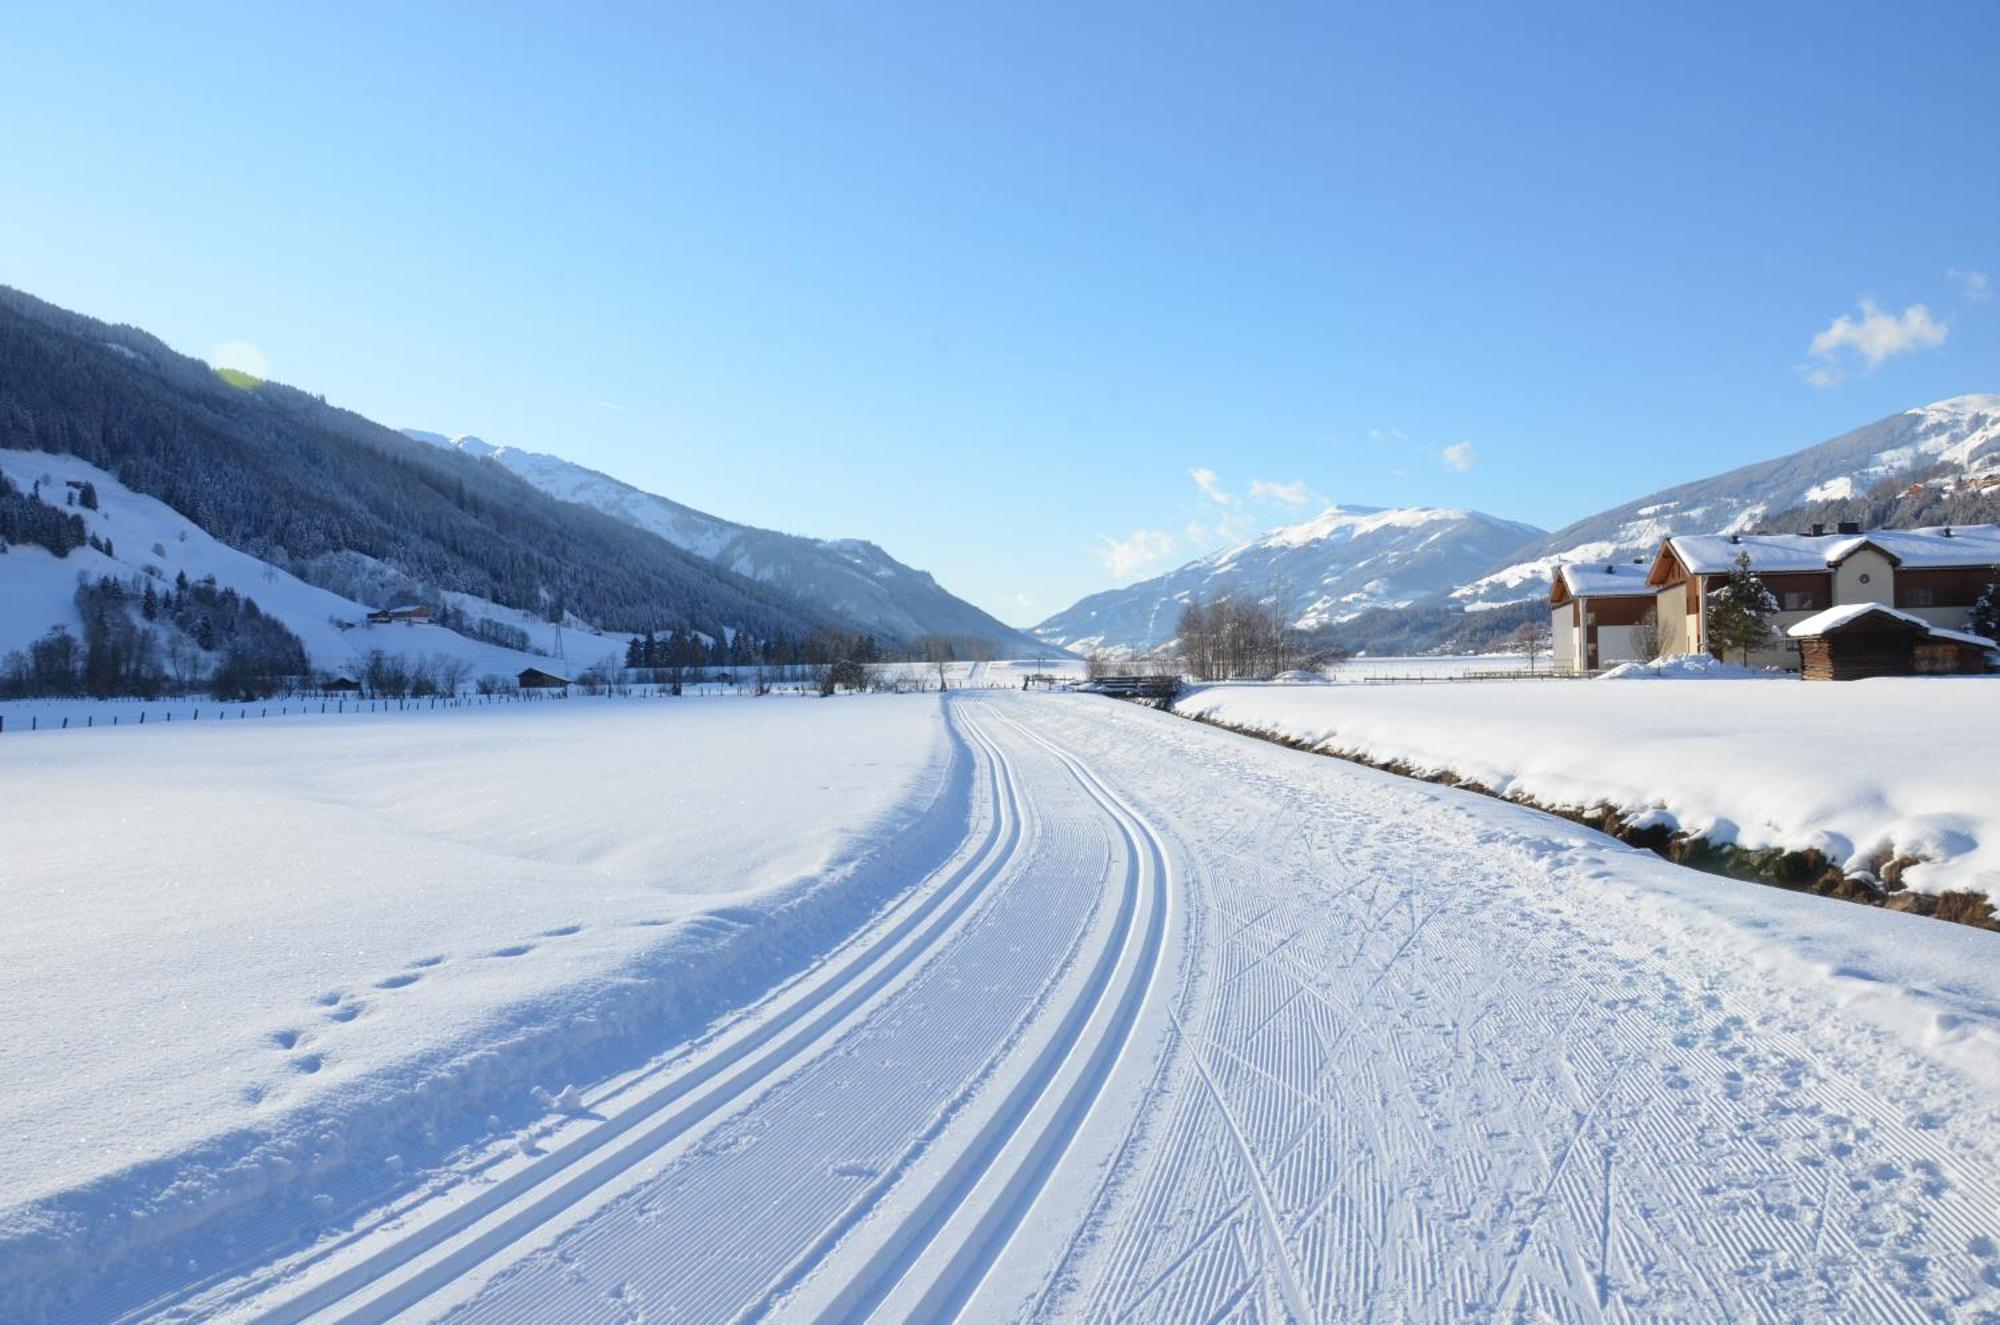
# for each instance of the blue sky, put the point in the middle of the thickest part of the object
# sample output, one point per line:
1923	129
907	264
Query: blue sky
1042	297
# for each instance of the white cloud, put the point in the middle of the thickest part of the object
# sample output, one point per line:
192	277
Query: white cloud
1975	286
1211	486
617	409
1285	494
1876	335
1460	456
1390	435
1129	557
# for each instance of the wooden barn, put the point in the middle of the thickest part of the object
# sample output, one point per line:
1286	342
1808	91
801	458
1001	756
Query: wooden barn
340	685
1867	639
534	678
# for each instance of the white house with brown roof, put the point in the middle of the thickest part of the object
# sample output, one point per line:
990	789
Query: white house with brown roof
1934	574
1595	608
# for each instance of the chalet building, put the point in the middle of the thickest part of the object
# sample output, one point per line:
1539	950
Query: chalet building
414	613
534	678
1868	639
1933	575
1594	611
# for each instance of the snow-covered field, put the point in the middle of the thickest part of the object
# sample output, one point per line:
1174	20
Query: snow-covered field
993	1006
1863	771
248	962
1424	667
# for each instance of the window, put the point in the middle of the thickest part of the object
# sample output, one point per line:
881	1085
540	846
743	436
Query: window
1797	600
1917	595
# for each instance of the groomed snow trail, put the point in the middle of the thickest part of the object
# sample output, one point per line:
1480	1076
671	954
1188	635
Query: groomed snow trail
1197	1028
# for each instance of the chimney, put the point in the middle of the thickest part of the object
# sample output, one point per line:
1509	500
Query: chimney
1819	531
1947	531
1850	526
1735	538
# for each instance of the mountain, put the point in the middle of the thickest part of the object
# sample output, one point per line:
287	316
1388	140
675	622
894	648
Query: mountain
1347	561
1959	437
853	579
306	487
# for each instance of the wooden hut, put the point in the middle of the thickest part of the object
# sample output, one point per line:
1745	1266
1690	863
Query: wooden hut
534	678
1868	639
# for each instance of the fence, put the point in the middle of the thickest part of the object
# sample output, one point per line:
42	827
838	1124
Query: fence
219	712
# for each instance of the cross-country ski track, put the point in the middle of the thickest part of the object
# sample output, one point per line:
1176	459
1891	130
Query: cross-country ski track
1190	1027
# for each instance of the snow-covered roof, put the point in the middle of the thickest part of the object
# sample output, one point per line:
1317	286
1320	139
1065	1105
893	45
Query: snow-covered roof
1833	618
1916	549
1604	579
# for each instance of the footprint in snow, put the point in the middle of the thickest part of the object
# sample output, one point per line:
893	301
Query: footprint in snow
285	1039
513	950
399	981
345	1012
562	931
426	962
307	1064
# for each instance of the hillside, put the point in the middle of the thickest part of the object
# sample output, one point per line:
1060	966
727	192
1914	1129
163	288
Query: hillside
854	579
1342	564
284	477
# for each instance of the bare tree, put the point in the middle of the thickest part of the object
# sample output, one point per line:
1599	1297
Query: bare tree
939	653
1646	635
1532	639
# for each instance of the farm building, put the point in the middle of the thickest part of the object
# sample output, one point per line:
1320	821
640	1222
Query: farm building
1934	575
1595	614
415	614
1867	639
534	678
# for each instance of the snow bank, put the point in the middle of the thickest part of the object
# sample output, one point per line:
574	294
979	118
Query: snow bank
258	971
1693	667
1864	771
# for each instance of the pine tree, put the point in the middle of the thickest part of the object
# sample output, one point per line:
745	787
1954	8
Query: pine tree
1986	612
1740	611
149	603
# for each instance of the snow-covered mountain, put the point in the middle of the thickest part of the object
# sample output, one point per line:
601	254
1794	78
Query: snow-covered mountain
848	577
1961	434
1343	562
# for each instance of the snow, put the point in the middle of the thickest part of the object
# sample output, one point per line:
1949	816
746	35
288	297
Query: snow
1605	579
1915	549
1833	618
37	587
1156	1022
234	940
1864	771
1693	667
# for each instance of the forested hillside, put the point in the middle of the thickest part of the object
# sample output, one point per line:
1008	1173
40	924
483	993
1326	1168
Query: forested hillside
286	477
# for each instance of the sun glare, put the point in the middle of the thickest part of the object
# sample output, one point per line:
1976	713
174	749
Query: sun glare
239	358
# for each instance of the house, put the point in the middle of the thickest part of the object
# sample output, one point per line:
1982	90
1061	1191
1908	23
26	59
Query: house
1595	610
534	678
1868	639
415	614
1934	574
340	685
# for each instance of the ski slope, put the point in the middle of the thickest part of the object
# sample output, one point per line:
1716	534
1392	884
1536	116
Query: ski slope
1161	1023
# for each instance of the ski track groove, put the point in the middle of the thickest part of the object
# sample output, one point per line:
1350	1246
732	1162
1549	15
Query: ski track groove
935	914
1409	1065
